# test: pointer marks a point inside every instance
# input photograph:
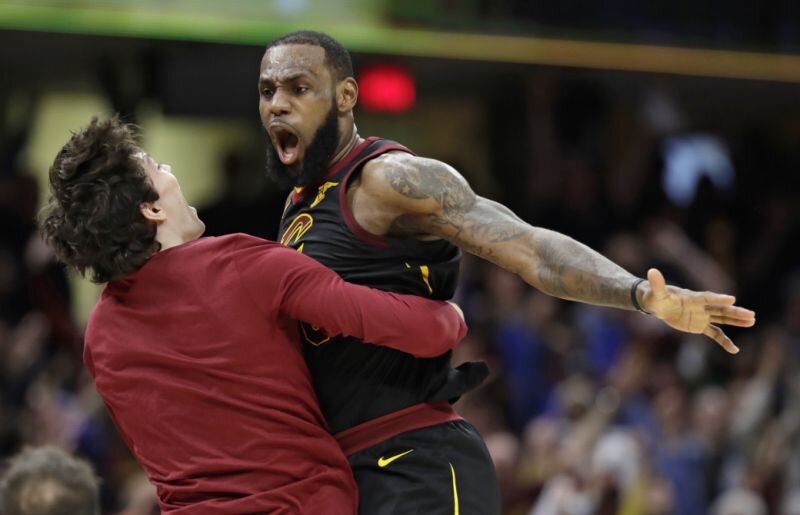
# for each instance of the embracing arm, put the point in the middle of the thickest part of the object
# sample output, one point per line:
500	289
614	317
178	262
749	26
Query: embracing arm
425	196
284	281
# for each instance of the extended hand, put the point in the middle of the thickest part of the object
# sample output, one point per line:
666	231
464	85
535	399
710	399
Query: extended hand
695	312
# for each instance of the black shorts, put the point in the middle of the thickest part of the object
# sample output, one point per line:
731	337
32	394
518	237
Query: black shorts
438	470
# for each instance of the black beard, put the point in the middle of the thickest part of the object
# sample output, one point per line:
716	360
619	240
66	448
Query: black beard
317	157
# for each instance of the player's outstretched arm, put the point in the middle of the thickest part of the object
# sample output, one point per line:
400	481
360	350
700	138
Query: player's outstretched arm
298	287
425	196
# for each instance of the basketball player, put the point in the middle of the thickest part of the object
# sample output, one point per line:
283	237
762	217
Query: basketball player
381	216
193	345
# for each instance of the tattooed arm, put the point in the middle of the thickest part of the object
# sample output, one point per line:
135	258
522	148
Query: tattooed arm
409	195
426	196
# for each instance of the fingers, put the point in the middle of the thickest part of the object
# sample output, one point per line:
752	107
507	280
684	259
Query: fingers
732	321
716	334
731	315
718	298
734	311
657	283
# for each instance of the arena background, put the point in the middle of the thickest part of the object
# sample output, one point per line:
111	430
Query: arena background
660	133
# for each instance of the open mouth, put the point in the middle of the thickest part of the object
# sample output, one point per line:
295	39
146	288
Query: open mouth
286	144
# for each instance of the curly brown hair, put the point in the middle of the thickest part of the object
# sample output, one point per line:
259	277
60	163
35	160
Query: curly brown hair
92	218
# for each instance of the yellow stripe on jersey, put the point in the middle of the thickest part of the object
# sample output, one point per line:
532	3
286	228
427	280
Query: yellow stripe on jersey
455	490
426	273
425	276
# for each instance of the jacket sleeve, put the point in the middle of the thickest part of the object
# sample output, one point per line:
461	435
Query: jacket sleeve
290	284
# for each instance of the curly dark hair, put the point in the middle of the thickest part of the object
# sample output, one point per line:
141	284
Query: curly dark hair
92	218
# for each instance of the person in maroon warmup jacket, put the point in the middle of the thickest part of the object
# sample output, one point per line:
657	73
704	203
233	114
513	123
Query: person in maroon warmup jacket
194	344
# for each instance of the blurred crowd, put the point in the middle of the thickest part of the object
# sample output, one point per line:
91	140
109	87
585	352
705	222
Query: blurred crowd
47	397
588	410
598	411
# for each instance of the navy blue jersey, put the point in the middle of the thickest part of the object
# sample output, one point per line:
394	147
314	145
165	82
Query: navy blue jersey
356	382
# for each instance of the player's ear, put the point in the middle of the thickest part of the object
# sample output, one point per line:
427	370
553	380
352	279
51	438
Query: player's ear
346	95
153	212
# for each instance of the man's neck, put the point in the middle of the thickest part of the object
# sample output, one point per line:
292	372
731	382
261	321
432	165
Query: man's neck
348	141
169	240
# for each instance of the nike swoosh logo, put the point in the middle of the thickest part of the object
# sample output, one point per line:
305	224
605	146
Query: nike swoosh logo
382	462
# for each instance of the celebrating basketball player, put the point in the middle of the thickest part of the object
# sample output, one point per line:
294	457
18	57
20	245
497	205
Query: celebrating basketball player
381	216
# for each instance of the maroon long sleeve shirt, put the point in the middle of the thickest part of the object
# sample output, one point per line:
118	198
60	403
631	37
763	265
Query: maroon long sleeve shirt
197	357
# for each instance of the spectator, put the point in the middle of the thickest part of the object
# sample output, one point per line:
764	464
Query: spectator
48	481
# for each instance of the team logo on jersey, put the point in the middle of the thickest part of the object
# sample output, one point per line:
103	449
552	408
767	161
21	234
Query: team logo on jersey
322	191
299	226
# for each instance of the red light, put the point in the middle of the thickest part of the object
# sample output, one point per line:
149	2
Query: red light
386	88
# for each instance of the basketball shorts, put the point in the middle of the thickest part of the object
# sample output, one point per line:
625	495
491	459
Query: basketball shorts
438	470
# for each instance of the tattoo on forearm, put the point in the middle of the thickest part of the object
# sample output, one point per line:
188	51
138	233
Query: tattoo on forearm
550	261
571	270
